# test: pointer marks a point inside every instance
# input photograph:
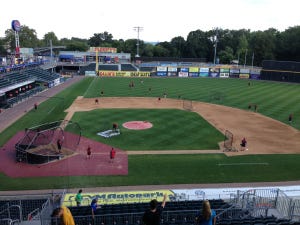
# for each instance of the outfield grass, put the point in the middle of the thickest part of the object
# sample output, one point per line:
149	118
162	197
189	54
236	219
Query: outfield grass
276	100
176	169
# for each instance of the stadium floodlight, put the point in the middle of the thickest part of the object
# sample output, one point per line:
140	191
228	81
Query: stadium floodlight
138	30
245	60
214	40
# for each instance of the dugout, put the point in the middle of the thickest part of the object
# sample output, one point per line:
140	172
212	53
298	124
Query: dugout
284	71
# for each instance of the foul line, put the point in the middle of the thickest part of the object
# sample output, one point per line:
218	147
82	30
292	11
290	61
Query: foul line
242	164
89	86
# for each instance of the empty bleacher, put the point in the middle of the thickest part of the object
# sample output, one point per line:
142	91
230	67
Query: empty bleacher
4	82
108	67
41	75
33	74
147	69
90	67
127	67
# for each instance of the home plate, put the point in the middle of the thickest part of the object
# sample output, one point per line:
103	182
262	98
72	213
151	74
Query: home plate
109	133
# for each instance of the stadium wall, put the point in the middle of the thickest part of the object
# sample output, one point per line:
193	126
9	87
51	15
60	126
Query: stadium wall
283	71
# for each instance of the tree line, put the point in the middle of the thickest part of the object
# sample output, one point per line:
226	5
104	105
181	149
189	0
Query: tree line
243	45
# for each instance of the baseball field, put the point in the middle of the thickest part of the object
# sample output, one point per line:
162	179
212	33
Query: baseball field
183	146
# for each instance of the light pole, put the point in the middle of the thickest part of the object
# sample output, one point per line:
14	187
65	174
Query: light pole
245	61
215	41
138	30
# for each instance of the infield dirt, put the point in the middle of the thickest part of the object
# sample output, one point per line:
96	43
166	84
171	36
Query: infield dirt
264	135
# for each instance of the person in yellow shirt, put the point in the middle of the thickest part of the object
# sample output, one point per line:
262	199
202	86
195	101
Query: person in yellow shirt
64	214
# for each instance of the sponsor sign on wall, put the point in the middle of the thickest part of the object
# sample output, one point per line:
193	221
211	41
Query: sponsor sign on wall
244	75
214	72
124	73
172	69
183	74
103	49
172	195
224	72
161	71
204	72
244	71
184	69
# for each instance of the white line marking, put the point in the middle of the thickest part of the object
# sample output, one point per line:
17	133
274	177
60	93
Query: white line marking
242	164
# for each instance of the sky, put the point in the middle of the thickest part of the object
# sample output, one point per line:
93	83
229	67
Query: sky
160	20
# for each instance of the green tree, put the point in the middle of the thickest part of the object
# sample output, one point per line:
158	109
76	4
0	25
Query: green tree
242	50
2	47
288	44
197	45
226	56
262	44
99	39
178	44
50	36
160	51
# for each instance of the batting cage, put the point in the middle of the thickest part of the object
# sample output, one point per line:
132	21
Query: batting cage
47	142
187	105
228	140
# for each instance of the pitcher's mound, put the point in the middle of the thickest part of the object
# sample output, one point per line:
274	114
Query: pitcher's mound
137	125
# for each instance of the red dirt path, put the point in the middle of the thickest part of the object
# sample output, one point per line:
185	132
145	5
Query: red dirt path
75	165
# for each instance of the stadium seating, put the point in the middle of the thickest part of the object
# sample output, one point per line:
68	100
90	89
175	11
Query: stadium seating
128	67
90	67
19	209
109	67
175	213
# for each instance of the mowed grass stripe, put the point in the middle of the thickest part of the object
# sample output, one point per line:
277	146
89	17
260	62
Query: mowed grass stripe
176	169
172	129
170	169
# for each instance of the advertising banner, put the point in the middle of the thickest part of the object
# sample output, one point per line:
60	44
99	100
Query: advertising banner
204	74
172	74
224	75
159	73
255	76
244	75
183	74
172	69
244	71
161	69
132	74
139	74
204	70
193	69
89	73
107	73
122	74
224	70
193	74
234	71
214	72
255	71
103	49
172	195
184	69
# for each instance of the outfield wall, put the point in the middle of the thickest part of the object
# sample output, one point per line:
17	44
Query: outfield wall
171	71
283	71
